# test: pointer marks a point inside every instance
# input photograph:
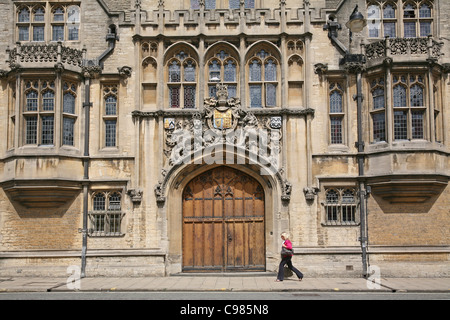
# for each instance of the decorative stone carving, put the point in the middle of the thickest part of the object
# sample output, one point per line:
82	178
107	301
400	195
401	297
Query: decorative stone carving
310	192
135	195
124	71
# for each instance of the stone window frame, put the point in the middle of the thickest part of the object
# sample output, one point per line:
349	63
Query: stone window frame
35	115
110	120
376	13
184	90
222	56
336	86
336	213
47	23
105	219
403	125
377	86
260	56
56	86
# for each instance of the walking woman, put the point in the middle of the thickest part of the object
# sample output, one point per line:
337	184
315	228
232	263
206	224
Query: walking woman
286	256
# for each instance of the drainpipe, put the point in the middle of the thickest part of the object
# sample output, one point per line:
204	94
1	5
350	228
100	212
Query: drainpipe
90	66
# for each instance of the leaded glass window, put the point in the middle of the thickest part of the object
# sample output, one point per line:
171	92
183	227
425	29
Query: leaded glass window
69	103
106	215
68	131
182	79
255	71
222	68
336	111
263	79
399	96
47	130
340	206
174	72
110	136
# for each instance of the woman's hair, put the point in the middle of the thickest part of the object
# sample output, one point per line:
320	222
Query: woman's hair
285	235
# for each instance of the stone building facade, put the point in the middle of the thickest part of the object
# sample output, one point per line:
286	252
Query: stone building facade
150	137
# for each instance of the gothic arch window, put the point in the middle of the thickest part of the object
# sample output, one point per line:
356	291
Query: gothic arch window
336	112
69	113
409	106
39	112
340	206
110	115
182	75
106	215
222	67
31	23
378	110
263	76
410	18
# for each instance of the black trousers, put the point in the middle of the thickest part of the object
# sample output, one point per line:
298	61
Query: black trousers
287	260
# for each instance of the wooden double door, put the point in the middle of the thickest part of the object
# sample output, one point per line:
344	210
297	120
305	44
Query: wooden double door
223	222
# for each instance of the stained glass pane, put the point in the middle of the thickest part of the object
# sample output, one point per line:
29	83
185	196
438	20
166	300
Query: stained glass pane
417	125
250	4
410	29
189	96
214	71
255	71
388	12
336	130
378	98
234	4
48	101
399	96
38	33
32	101
335	102
379	127
174	72
232	91
68	126
416	96
111	105
400	125
174	97
425	29
210	4
24	15
425	11
23	33
69	103
195	4
47	130
255	96
58	33
389	29
230	71
271	95
189	72
270	71
58	14
110	137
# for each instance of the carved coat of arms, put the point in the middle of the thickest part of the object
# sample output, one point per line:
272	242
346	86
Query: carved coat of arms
222	113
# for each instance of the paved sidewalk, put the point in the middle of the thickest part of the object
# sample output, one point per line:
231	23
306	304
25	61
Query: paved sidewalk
223	283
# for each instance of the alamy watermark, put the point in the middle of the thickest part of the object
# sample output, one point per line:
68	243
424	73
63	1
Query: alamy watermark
374	279
239	146
73	282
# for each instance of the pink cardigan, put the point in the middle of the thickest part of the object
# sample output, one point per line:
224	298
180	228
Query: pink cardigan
288	244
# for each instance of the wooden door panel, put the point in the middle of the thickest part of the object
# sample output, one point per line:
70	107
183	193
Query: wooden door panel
223	222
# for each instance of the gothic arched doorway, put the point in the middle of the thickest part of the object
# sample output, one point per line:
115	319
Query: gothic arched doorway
223	222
